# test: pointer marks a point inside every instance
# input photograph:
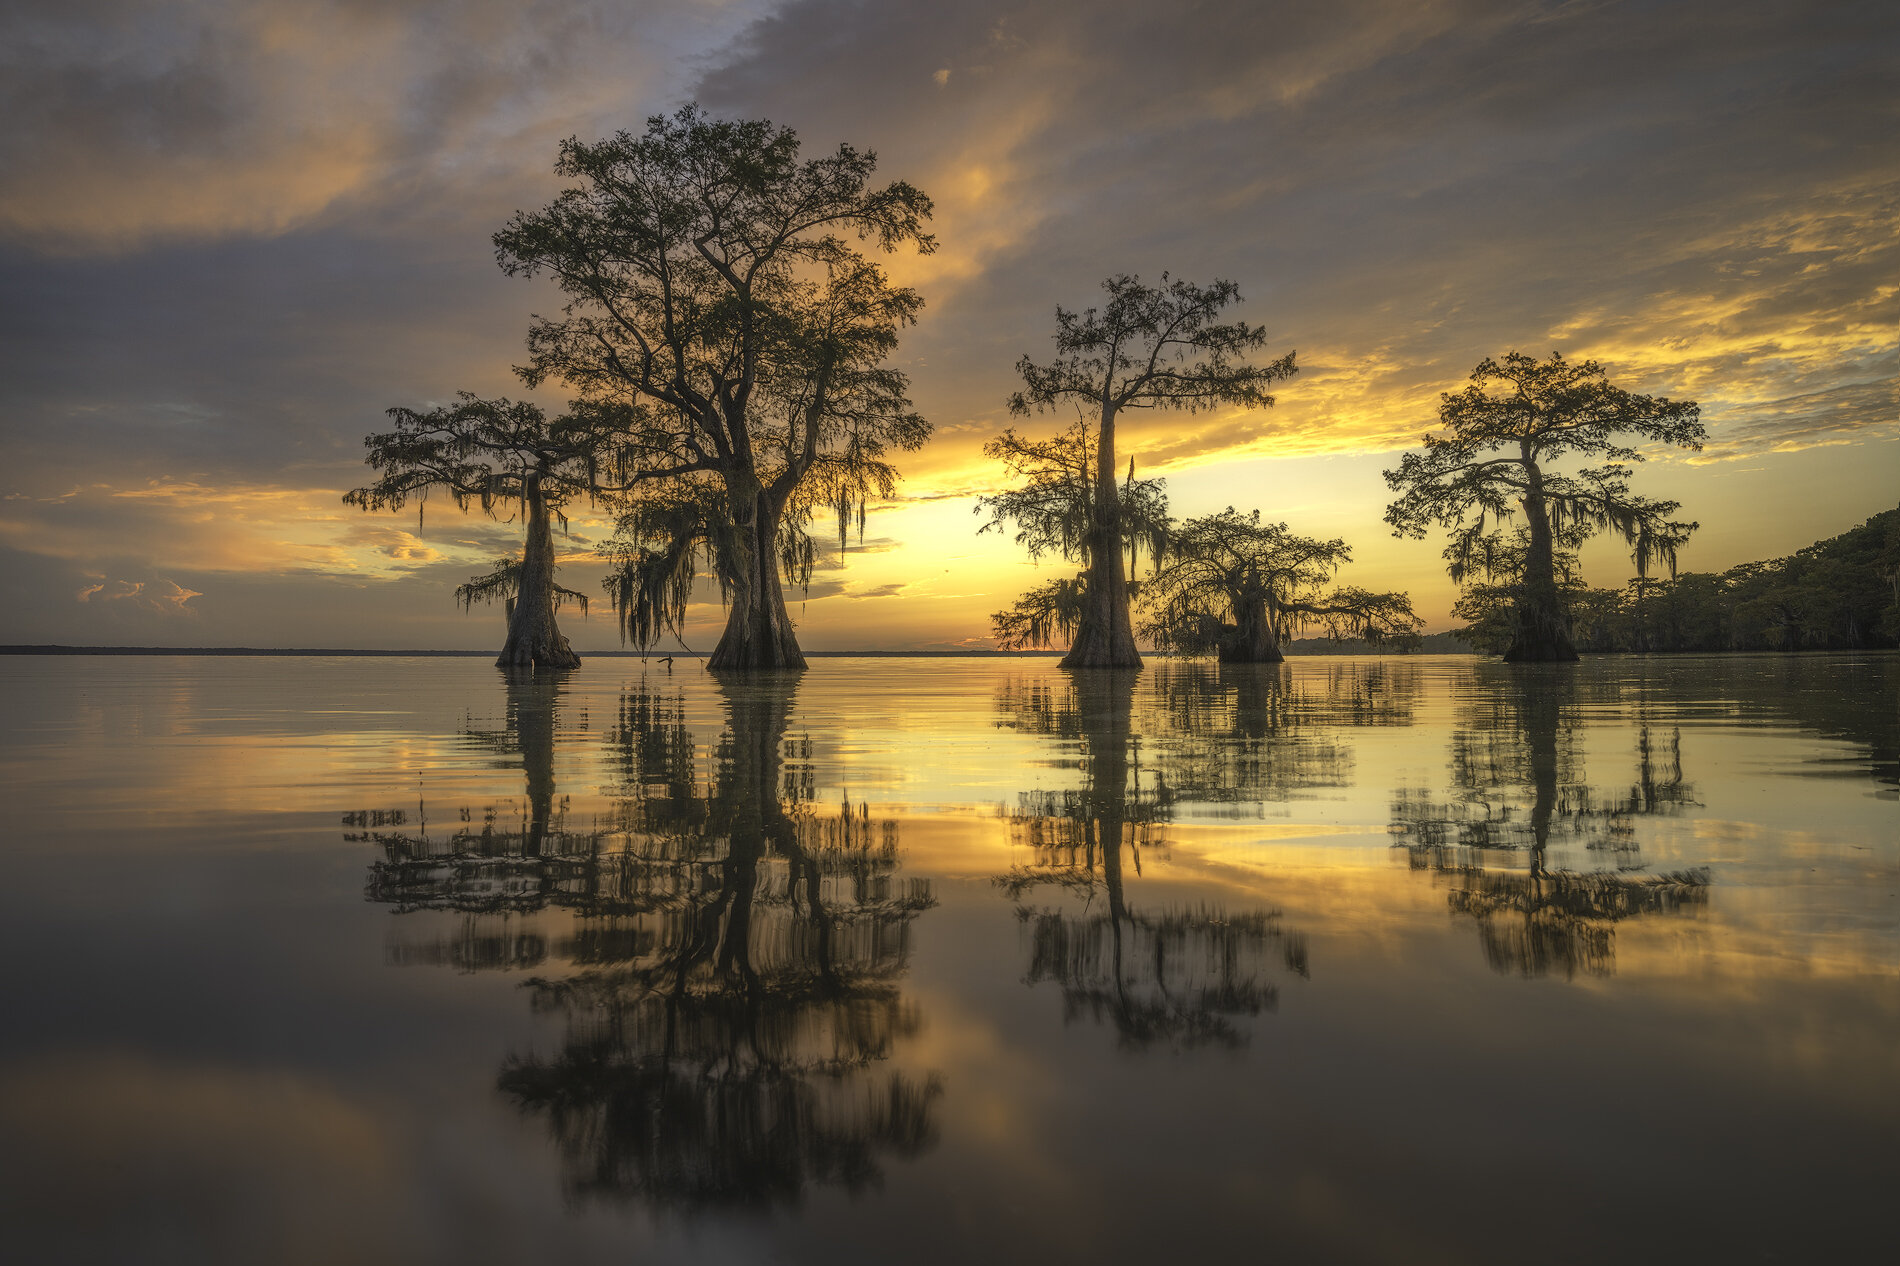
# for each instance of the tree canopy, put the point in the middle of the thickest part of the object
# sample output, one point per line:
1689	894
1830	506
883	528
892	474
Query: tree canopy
709	277
1053	508
488	452
1146	347
506	455
1515	417
1239	587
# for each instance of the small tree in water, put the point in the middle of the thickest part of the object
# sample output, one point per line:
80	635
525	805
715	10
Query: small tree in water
1239	587
501	454
1147	347
706	277
1516	416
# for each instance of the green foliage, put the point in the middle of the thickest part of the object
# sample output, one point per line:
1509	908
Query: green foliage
1052	510
1046	615
1150	346
1517	415
709	278
503	584
1230	572
1839	594
498	453
664	541
1493	589
1146	347
488	452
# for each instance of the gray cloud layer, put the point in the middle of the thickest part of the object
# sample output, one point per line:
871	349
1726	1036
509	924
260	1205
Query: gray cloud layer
234	232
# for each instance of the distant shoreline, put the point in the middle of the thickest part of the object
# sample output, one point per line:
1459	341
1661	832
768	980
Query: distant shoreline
53	649
315	651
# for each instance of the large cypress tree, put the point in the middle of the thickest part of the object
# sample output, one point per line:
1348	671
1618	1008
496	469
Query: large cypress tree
1516	417
709	276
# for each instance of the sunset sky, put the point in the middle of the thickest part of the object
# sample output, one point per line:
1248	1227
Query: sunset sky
233	232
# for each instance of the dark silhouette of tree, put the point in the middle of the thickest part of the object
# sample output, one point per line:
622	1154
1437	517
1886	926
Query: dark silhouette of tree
738	983
1238	587
503	584
493	863
707	278
504	456
1521	795
1516	417
1492	592
1837	594
1042	616
1054	512
730	977
1146	347
1179	975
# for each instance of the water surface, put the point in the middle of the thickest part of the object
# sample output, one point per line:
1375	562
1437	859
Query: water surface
1359	960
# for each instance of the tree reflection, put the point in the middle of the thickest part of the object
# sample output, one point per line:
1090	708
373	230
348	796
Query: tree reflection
1232	738
731	980
1519	800
493	861
1180	975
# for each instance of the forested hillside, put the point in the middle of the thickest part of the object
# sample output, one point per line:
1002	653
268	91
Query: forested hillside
1839	594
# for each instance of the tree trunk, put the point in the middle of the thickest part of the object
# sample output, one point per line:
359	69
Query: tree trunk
1252	641
532	698
534	640
1105	636
1106	705
747	798
758	629
1542	634
1260	704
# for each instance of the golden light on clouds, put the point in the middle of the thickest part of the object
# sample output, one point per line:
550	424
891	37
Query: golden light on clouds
274	214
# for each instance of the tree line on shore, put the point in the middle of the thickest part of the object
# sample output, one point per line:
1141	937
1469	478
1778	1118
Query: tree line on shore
726	339
1838	594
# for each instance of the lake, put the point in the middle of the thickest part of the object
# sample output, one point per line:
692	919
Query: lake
1402	959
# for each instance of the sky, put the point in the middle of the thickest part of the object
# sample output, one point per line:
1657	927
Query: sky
233	232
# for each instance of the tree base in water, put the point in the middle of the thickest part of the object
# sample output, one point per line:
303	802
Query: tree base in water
1097	646
1100	658
1542	635
757	645
1540	655
759	659
1541	646
1250	655
545	653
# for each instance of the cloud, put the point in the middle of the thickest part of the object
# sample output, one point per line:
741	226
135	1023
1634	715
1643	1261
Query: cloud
390	542
829	555
161	597
129	122
234	231
253	529
1402	189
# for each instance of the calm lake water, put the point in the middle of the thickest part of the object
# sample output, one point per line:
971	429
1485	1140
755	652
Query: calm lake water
1360	960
